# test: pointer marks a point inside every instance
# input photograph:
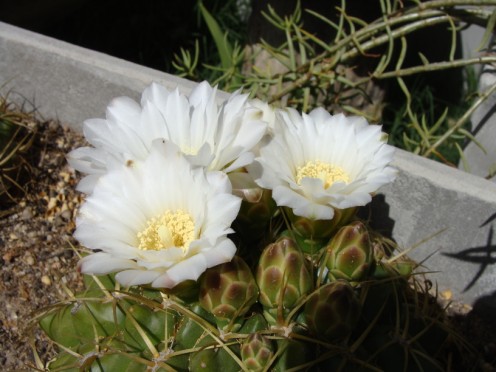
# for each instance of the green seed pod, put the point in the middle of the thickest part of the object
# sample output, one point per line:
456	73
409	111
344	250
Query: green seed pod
332	311
349	253
256	352
283	278
228	291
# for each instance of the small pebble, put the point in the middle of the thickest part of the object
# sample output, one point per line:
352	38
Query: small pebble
46	280
27	214
30	260
66	215
446	295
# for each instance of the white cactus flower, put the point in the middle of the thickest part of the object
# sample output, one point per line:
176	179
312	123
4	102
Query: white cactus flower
160	221
318	163
216	136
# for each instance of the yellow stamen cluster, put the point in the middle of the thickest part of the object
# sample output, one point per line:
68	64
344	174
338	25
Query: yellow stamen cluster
328	173
171	229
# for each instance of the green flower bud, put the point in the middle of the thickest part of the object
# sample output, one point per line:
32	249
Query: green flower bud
332	311
349	253
228	291
283	278
257	207
319	229
256	352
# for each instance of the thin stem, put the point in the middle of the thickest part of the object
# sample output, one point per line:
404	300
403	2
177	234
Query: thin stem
436	66
462	120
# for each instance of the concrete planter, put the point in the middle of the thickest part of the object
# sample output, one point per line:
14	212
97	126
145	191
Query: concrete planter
457	209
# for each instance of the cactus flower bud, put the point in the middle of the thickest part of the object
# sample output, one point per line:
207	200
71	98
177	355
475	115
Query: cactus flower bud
283	278
256	352
228	291
320	229
349	253
332	311
257	208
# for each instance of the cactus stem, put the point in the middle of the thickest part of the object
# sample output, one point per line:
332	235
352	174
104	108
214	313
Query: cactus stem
321	271
297	307
210	329
151	364
144	336
105	291
367	330
87	359
284	331
312	340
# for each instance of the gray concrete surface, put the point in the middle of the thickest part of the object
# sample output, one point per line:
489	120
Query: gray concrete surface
68	82
481	161
72	84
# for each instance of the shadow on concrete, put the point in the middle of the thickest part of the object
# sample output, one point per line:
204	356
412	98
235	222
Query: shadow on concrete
483	255
376	213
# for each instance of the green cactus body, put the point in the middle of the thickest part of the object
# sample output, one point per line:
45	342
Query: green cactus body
332	311
256	352
228	291
78	327
349	253
283	278
158	325
294	355
212	358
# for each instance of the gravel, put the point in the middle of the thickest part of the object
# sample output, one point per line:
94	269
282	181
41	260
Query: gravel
37	256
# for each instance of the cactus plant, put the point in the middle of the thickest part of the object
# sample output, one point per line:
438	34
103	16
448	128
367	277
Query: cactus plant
382	323
200	292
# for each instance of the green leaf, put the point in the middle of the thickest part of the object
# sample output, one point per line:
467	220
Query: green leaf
488	33
470	136
223	46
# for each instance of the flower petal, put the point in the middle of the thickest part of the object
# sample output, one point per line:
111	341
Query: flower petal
350	144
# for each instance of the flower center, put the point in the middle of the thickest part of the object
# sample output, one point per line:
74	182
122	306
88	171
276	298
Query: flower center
171	229
326	172
188	150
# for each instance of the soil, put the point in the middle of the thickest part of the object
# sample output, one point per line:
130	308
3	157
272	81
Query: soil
38	259
37	256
